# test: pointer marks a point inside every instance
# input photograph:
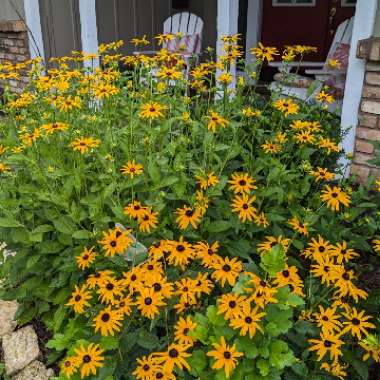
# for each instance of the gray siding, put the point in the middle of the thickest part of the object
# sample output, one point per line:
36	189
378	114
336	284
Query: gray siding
7	11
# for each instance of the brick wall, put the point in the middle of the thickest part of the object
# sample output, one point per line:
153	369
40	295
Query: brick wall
14	48
368	128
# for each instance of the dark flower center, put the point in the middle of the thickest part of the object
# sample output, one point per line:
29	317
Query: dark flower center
118	234
226	268
159	375
122	304
245	206
343	251
185	330
325	319
146	367
150	267
285	273
152	109
189	213
97	275
227	354
133	277
355	321
148	301
210	251
242	182
326	268
346	276
106	317
109	286
86	359
180	248
321	248
327	343
173	353
67	363
232	304
263	283
85	257
137	207
113	243
248	320
334	195
77	298
157	287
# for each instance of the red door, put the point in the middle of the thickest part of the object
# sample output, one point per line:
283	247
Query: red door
306	22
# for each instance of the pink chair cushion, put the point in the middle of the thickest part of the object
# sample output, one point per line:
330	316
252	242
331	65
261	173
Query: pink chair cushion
341	53
186	44
337	82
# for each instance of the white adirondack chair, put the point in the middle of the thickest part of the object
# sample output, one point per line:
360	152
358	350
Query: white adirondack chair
320	70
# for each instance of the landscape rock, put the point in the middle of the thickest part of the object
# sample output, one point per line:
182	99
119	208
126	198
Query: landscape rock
20	348
7	312
36	371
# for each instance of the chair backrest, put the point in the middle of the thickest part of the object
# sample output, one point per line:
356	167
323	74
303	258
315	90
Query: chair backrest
342	35
186	23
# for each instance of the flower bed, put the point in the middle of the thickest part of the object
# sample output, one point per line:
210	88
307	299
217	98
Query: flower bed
253	250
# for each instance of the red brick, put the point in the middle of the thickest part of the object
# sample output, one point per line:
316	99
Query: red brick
364	146
368	134
367	120
371	92
373	78
370	106
361	171
362	158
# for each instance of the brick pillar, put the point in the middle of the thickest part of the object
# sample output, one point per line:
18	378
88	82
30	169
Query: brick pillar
369	114
14	48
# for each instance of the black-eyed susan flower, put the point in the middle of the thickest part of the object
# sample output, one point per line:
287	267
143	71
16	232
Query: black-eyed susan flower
182	329
148	221
69	366
115	241
79	299
324	97
288	276
133	280
180	253
148	302
271	241
174	357
264	53
242	205
202	284
86	258
124	305
357	323
146	366
225	356
159	284
160	372
4	167
186	289
164	38
216	121
335	197
84	144
248	321
286	106
98	278
271	147
108	321
328	320
54	127
105	90
242	183
344	285
371	347
207	180
207	253
343	253
90	359
109	290
318	249
230	305
261	220
226	270
135	210
304	137
376	245
3	149
249	112
132	169
335	369
151	110
328	343
322	174
187	215
301	228
170	73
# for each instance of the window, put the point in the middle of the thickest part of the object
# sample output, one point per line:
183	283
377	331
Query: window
293	3
348	3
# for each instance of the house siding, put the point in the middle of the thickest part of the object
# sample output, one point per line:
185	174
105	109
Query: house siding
12	11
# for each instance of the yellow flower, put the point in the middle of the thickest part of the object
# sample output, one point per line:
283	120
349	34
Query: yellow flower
186	216
226	270
286	106
151	110
105	90
83	144
242	204
270	147
4	168
3	149
247	321
242	183
334	196
334	64
225	356
207	180
225	78
79	299
107	321
323	97
132	169
215	120
249	112
86	258
328	343
263	53
90	359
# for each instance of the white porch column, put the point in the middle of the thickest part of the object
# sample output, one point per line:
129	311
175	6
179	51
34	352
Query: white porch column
253	33
362	29
227	24
33	23
89	30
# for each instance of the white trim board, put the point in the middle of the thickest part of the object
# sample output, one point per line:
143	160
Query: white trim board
33	23
363	28
254	23
89	30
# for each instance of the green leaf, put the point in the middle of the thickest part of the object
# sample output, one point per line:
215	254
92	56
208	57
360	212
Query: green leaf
246	344
198	361
218	226
147	340
273	261
82	234
109	342
263	367
215	318
64	224
9	223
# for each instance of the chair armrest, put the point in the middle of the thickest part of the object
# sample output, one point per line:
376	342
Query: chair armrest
146	52
325	72
296	64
